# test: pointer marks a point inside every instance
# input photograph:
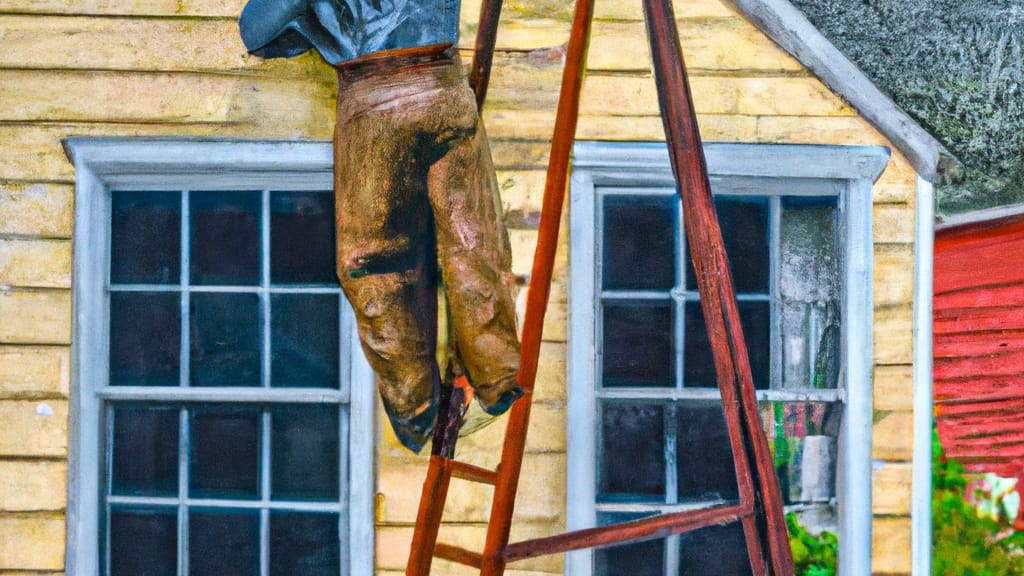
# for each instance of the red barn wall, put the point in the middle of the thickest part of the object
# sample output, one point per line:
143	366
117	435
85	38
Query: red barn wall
979	344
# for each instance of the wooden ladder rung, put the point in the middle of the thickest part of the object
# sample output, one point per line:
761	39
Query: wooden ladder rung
474	473
626	532
458	555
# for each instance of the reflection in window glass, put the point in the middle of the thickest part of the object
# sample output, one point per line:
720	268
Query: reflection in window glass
225	339
225	455
144	541
638	344
632	453
145	237
714	551
145	450
699	364
223	543
640	234
302	238
304	340
304	452
705	467
145	338
225	243
304	544
744	224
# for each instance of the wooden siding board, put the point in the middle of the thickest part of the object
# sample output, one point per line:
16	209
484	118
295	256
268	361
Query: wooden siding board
979	345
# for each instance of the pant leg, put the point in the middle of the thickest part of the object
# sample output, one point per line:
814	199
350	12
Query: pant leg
475	257
386	262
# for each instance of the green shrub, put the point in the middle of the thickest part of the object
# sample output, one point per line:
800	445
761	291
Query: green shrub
964	543
812	555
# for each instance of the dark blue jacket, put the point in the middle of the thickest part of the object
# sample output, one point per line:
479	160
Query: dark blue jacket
341	30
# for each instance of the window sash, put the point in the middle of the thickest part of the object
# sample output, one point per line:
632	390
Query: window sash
103	165
733	168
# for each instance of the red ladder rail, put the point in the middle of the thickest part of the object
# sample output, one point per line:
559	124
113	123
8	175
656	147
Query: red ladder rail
759	510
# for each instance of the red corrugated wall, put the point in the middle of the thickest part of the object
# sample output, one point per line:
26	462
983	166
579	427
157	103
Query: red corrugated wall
979	344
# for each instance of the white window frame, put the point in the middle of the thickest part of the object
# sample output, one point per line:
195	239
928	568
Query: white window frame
104	164
847	171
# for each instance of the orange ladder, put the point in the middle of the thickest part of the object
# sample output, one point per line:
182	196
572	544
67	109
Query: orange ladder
759	509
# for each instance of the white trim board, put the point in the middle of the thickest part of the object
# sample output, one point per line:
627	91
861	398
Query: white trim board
790	29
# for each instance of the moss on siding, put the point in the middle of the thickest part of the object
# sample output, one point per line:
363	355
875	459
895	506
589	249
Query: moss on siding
958	68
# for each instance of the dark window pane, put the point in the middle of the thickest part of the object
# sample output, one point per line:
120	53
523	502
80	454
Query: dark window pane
225	339
699	367
302	238
145	338
632	452
304	440
705	466
638	345
305	544
224	452
639	242
225	230
223	544
145	237
714	551
304	340
744	223
640	559
803	438
145	451
144	542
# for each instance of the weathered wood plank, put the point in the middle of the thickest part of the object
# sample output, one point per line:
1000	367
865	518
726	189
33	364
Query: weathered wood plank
35	263
1000	364
32	486
34	371
967	344
890	546
893	335
893	388
43	210
32	542
721	45
968	320
894	271
962	257
35	317
893	437
145	44
978	389
981	297
760	96
890	489
34	428
210	8
164	98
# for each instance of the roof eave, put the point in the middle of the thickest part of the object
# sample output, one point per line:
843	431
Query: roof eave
790	29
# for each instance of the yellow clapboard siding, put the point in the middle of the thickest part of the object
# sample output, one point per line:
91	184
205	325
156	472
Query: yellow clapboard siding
33	209
893	224
32	486
890	546
34	371
33	152
32	542
890	489
35	317
893	335
212	8
37	428
893	436
633	10
162	97
894	388
721	45
188	45
35	263
894	269
637	96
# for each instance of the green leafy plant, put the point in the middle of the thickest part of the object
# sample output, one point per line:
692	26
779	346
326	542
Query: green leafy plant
813	555
963	542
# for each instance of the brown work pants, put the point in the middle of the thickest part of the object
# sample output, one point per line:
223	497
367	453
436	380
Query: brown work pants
416	191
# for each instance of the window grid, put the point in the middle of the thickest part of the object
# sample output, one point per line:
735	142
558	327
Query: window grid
668	398
183	502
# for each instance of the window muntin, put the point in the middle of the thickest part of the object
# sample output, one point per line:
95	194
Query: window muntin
224	316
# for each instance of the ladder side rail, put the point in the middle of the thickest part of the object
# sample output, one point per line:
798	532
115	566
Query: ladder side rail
483	55
714	282
428	517
503	504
